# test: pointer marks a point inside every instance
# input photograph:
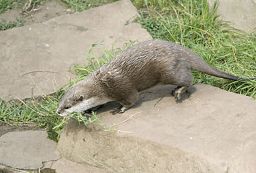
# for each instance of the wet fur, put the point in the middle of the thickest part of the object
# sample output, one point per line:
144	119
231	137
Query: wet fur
143	66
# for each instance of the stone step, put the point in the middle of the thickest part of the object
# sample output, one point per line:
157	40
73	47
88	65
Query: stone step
211	131
67	166
36	59
27	149
239	14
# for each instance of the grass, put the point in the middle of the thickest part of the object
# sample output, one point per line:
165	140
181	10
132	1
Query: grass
9	25
77	5
187	22
80	5
6	5
11	4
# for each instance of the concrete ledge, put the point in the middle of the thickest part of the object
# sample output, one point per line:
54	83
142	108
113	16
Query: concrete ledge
213	130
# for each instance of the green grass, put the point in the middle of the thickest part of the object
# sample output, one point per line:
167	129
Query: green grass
9	25
187	22
77	5
80	5
6	5
11	4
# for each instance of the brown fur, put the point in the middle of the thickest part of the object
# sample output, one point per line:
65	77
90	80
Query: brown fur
143	66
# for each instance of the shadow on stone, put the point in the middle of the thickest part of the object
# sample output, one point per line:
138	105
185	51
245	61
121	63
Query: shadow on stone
155	93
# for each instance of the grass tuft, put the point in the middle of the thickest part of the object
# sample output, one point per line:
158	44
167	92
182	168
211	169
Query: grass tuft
6	5
80	5
12	4
9	25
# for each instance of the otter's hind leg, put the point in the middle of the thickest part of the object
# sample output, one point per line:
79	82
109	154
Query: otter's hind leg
181	76
179	92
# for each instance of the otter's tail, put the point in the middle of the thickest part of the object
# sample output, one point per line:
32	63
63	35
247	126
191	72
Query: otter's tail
200	65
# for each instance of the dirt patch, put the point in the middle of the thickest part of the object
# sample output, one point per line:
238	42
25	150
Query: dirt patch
41	13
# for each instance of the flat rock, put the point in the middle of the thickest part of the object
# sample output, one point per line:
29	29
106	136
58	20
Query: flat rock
66	166
26	149
36	59
239	13
108	151
213	129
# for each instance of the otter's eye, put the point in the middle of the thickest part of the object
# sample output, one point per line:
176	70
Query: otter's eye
67	107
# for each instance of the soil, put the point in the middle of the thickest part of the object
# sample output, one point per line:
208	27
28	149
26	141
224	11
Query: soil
41	13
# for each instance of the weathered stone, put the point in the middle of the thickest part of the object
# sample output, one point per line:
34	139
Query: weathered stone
241	14
67	166
214	125
36	59
26	149
112	153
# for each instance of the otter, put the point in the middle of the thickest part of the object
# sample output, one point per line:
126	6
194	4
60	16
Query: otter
139	67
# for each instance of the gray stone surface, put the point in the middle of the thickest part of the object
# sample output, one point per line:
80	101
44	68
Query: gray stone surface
66	166
36	59
241	14
215	126
26	149
112	153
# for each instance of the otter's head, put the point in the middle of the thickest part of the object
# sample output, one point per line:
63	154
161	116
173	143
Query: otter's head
82	96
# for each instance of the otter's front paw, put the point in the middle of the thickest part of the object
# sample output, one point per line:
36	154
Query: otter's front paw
118	110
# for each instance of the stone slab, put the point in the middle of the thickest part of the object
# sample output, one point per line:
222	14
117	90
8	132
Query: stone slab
66	166
241	14
213	125
112	153
36	59
26	149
